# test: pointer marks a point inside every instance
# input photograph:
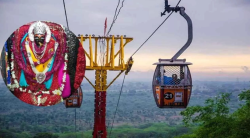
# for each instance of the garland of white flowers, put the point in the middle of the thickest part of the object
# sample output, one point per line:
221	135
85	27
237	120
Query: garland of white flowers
8	69
13	76
57	91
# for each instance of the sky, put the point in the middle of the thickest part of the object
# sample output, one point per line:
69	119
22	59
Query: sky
220	49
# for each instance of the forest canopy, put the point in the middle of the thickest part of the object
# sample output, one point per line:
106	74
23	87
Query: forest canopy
215	120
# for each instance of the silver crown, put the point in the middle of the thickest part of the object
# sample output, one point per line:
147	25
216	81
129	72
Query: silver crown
39	28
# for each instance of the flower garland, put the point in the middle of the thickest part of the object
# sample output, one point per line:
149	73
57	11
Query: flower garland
17	58
38	74
56	91
15	85
42	51
8	76
42	61
31	75
21	57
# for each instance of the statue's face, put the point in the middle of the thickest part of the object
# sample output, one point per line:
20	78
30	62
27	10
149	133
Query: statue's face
39	39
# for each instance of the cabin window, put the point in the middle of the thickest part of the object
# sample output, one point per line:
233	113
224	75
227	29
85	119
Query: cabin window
172	75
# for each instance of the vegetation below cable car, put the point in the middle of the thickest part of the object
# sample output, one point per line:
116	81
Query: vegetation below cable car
22	120
215	120
153	130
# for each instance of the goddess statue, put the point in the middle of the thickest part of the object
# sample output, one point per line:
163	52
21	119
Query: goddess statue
39	64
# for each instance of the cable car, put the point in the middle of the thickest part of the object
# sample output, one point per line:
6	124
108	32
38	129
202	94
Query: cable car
75	100
172	81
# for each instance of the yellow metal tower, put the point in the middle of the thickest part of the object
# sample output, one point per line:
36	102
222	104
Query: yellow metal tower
101	74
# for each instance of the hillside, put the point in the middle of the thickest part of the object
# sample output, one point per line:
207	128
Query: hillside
137	108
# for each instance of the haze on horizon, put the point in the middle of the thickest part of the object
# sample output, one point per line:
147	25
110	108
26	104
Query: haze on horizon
219	51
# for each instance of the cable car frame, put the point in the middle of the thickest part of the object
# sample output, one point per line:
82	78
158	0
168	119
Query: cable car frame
74	100
172	81
172	90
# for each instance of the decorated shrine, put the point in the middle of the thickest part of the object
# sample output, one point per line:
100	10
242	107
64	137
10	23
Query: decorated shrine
43	63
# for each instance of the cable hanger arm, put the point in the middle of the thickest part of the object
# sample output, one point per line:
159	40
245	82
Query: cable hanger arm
190	34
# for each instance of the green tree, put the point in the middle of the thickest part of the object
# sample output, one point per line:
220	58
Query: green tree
6	134
45	135
214	120
24	135
242	117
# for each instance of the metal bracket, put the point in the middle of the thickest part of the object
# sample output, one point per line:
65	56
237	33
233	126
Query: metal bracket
129	63
89	82
169	9
183	60
190	27
115	78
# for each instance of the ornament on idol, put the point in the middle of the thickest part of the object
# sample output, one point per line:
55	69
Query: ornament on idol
40	76
36	53
39	29
52	92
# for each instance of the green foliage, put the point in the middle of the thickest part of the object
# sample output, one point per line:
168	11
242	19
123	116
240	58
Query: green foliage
215	120
45	135
6	134
19	119
214	109
151	130
242	116
187	136
24	135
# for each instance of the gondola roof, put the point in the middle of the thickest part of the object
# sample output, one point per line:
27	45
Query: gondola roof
174	63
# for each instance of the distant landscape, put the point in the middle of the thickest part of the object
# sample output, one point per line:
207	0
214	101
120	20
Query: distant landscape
137	112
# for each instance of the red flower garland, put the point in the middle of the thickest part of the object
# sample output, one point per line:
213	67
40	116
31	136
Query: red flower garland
80	67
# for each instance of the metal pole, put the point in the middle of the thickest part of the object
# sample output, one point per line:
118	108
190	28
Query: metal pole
100	106
190	34
75	122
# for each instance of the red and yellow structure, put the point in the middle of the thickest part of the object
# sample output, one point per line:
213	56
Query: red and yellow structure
101	85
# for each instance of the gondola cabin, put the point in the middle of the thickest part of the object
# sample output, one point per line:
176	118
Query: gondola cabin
172	83
75	100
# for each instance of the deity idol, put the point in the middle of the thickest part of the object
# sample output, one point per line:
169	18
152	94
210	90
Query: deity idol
39	64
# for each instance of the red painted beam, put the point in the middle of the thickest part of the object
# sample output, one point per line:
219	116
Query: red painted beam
100	115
